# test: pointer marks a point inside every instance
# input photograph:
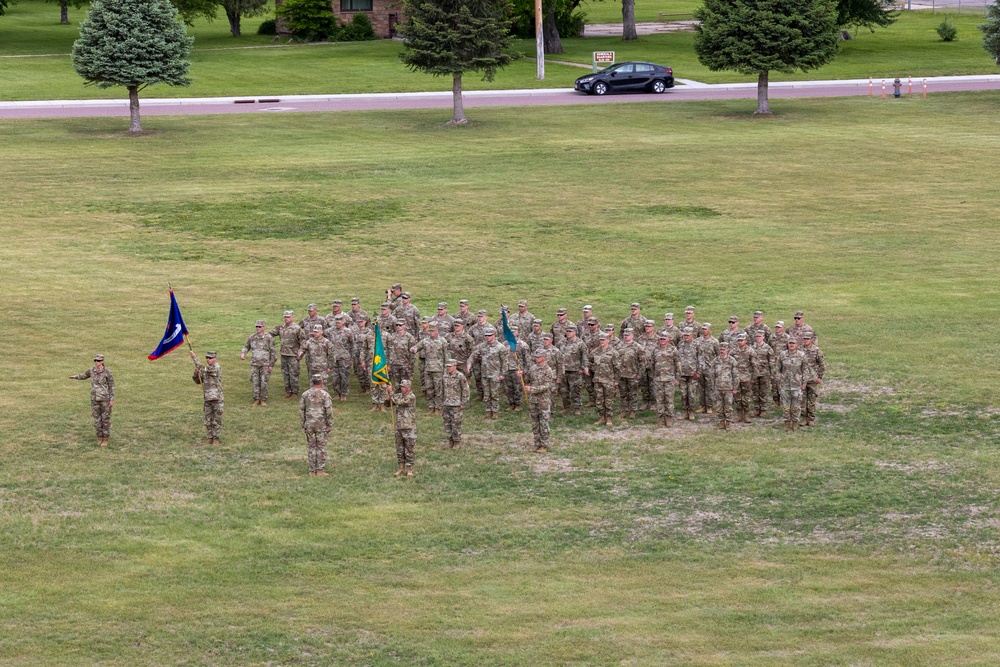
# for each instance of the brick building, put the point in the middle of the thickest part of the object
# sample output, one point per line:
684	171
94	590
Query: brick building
384	14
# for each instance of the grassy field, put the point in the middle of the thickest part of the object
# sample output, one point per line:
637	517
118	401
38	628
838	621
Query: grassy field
253	65
870	540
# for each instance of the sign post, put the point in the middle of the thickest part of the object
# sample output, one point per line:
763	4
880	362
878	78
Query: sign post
603	57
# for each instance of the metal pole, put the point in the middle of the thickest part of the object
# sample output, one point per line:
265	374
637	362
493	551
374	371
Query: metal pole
883	89
539	41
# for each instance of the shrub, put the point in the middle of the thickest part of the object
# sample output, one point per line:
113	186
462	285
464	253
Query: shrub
268	27
311	20
358	30
947	30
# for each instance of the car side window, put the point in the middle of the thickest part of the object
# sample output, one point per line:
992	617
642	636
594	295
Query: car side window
643	68
626	69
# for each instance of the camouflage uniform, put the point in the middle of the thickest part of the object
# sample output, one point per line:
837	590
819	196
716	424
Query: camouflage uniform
752	329
357	315
536	338
649	342
554	360
211	383
316	410
729	336
815	369
541	381
763	370
410	314
343	358
263	356
307	322
778	343
468	318
635	322
590	338
460	347
673	331
558	331
687	352
666	374
406	427
799	329
576	364
631	360
727	380
386	321
397	350
745	358
364	342
478	333
291	336
708	351
319	356
102	395
606	368
792	375
455	390
516	360
435	351
492	360
522	321
421	355
443	320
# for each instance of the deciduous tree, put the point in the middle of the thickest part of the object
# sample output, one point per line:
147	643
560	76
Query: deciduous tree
760	36
628	21
132	43
238	9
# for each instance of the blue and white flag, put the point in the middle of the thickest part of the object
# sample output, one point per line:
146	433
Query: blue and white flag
173	337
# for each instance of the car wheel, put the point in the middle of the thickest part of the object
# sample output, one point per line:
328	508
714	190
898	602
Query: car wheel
600	88
658	86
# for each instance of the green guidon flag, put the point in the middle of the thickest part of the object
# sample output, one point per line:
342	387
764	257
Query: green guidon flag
380	370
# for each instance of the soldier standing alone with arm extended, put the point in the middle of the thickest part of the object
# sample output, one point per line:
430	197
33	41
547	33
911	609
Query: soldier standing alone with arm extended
210	376
541	380
316	410
406	427
102	397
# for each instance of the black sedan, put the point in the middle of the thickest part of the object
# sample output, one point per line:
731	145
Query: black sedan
634	76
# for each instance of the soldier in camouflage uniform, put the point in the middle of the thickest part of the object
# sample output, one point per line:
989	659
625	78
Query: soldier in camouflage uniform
455	396
356	312
386	320
763	371
409	313
636	321
591	337
758	325
460	345
491	357
336	310
291	336
210	376
435	352
425	332
535	337
318	352
726	381
343	355
730	334
539	385
815	369
554	360
443	319
613	342
689	321
800	328
397	350
316	410
364	350
648	340
517	359
406	426
478	333
263	356
576	367
467	318
687	352
558	328
102	397
394	296
708	350
792	375
631	360
745	358
779	343
312	319
666	374
583	325
671	329
522	319
606	369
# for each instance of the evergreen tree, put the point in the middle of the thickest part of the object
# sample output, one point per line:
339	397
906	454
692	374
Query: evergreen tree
758	36
451	37
865	14
991	31
132	43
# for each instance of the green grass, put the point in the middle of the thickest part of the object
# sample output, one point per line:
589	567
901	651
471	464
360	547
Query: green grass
221	67
868	541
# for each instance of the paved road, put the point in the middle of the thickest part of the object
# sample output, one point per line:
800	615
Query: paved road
687	90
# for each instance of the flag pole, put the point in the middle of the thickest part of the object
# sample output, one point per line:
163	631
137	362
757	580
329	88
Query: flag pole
169	287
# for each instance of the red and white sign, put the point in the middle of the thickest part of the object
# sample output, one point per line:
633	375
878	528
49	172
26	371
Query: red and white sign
604	56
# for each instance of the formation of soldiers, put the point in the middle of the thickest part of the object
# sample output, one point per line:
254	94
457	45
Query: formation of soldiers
623	369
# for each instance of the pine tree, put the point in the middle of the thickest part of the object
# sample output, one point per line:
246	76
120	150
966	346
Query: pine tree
760	36
991	31
132	43
451	37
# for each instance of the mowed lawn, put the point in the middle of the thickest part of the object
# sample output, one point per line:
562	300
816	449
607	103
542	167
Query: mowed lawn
869	540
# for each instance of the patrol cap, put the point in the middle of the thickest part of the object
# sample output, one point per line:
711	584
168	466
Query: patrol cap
629	331
689	309
668	316
457	323
603	336
650	323
405	383
635	304
758	334
522	302
561	311
463	302
780	323
609	327
807	334
489	331
758	313
741	336
571	327
289	313
316	378
259	323
385	305
311	306
664	336
792	341
546	336
723	345
588	308
540	354
425	319
512	327
799	313
341	317
733	319
397	286
688	331
451	362
317	327
432	326
400	323
363	318
355	299
336	302
406	295
536	321
98	357
706	325
442	305
482	312
210	355
592	320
